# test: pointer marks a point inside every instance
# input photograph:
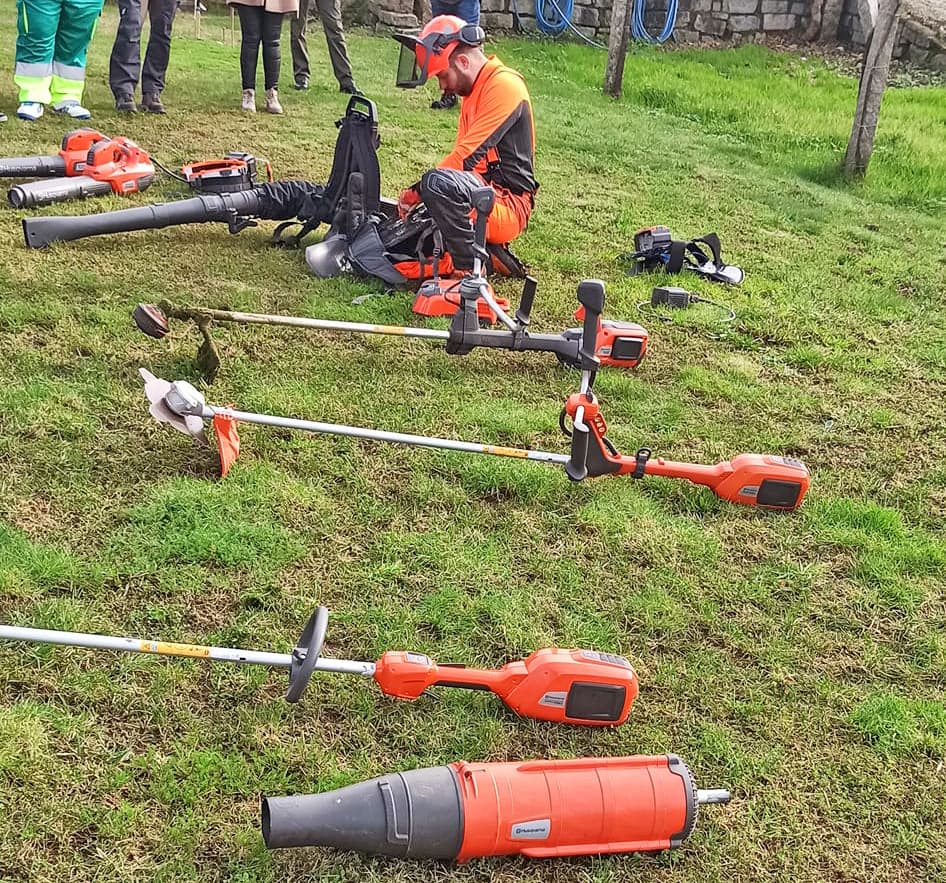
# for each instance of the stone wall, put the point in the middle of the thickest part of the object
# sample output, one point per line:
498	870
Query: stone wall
698	21
921	44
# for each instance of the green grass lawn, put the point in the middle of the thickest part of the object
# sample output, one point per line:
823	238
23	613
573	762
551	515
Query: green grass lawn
798	660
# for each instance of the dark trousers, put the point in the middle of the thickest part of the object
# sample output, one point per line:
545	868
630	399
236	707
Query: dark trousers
468	10
448	195
259	27
331	14
125	65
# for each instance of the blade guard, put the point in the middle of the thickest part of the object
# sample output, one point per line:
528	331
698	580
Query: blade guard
228	441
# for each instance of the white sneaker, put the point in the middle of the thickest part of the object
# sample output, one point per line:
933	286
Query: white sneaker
70	107
3	117
249	100
272	101
30	110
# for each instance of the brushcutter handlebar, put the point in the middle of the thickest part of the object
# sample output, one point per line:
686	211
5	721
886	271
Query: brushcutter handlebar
591	298
306	654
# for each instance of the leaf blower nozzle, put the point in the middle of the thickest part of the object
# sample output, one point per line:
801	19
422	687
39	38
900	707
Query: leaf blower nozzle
540	809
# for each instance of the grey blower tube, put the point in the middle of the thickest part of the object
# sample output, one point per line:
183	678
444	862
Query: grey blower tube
32	167
57	190
414	814
40	232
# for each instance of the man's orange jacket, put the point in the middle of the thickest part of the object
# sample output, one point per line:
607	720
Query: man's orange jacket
496	140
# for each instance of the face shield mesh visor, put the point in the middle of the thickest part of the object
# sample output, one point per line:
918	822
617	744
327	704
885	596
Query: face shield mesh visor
410	75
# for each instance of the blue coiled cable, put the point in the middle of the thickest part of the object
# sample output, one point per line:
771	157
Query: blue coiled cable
553	17
639	32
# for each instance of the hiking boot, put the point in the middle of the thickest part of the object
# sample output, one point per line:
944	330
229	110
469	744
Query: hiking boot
349	89
445	102
151	102
126	104
249	100
302	83
30	110
272	101
71	108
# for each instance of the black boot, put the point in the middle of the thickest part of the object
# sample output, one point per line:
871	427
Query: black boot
444	102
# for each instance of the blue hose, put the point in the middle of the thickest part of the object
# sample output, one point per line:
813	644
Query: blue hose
639	32
553	17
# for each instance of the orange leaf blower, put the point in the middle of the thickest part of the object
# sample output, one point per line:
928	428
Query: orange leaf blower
70	160
540	809
112	165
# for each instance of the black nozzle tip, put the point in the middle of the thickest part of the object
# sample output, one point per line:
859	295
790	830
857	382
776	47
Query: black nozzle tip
264	819
151	321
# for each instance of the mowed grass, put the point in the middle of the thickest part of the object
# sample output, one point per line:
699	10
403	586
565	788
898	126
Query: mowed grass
798	660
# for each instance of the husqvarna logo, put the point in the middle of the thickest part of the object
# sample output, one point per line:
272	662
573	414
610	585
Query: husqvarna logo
537	829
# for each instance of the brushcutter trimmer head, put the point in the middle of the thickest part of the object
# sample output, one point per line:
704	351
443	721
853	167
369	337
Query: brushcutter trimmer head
150	320
178	404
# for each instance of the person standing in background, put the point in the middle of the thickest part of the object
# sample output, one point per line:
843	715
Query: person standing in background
52	41
125	66
261	25
330	12
469	11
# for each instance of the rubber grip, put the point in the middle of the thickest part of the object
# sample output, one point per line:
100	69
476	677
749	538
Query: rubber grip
577	466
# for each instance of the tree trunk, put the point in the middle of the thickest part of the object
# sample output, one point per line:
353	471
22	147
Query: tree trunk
871	91
617	47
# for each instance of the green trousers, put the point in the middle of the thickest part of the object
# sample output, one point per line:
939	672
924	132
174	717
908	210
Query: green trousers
53	37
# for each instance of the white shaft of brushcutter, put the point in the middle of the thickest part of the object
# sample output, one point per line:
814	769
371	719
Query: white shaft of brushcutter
185	401
578	422
322	324
169	648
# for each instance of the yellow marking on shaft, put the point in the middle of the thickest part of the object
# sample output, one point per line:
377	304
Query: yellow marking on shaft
506	452
162	648
389	329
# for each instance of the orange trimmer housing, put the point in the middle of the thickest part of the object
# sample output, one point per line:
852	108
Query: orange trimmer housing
441	297
618	344
765	481
549	808
122	163
565	686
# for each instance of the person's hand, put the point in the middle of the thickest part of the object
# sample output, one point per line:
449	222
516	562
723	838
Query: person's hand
406	201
